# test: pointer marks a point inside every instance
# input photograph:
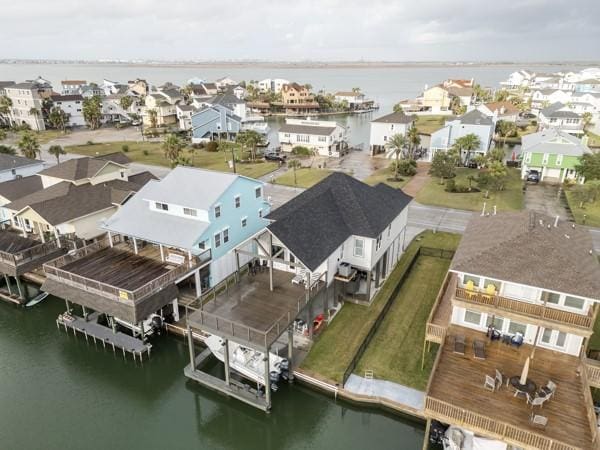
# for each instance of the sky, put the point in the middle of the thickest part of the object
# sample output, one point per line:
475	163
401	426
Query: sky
300	30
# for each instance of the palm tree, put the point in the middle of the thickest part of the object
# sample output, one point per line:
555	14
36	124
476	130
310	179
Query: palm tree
414	140
56	151
294	164
5	104
29	145
587	119
249	139
467	143
58	118
397	143
153	114
172	147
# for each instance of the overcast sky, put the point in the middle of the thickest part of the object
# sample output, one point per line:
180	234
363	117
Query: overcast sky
392	30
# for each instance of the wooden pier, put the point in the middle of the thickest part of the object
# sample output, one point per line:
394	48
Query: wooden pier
99	333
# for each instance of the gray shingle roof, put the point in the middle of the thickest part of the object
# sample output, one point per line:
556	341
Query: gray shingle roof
78	168
553	141
15	189
306	129
316	222
395	117
9	162
475	117
554	110
516	247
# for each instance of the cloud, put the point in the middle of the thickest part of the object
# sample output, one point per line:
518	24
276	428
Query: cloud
301	29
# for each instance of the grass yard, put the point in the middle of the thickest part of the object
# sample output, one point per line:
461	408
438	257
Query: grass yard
394	353
593	139
306	177
511	198
383	175
429	124
334	349
590	210
155	156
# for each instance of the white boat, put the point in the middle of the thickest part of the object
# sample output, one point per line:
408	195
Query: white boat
35	300
460	439
246	361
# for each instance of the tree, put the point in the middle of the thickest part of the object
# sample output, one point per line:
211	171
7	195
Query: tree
397	143
587	119
153	115
481	94
456	107
7	150
5	105
414	140
496	154
294	164
249	139
56	151
506	129
3	134
497	173
466	144
126	102
92	112
442	166
172	147
587	193
58	118
29	145
589	166
502	95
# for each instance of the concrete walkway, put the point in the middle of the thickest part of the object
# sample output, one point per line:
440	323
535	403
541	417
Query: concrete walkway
386	389
416	183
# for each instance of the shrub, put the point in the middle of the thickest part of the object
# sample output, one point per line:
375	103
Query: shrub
406	168
125	148
212	146
198	146
90	142
145	152
450	186
300	150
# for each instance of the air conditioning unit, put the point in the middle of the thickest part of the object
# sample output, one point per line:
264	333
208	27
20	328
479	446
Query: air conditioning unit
344	269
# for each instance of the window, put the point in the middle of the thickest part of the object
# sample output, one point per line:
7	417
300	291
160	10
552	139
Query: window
202	245
162	206
495	283
258	192
322	138
516	327
467	278
238	201
190	212
551	297
528	157
497	322
244	222
554	338
217	240
545	158
559	160
218	211
225	235
260	212
574	302
473	317
359	245
378	243
302	138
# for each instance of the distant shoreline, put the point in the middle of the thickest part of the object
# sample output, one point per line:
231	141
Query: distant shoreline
303	65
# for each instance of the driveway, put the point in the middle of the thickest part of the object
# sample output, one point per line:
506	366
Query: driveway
547	199
357	162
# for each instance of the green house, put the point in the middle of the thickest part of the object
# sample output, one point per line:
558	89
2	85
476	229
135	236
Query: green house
554	154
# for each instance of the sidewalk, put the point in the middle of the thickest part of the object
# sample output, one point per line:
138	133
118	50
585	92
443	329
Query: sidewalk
416	183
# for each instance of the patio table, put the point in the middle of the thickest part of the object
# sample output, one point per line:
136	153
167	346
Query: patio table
529	387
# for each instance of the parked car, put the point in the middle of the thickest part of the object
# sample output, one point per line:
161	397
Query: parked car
275	157
528	116
533	176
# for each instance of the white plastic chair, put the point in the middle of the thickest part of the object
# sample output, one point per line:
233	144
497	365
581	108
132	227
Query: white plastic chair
490	383
541	421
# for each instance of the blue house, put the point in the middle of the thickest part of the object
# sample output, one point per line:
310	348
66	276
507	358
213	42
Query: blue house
199	212
213	121
473	122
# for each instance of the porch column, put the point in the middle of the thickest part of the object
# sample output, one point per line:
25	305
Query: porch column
141	325
84	312
113	324
57	236
41	232
198	283
135	247
162	252
191	348
68	306
20	288
110	241
237	265
270	262
226	360
290	353
369	274
267	380
190	259
22	222
7	279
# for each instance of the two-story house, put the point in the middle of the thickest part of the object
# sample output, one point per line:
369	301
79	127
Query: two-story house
71	104
72	87
27	101
212	122
435	99
513	320
326	138
162	109
274	85
500	111
541	98
562	117
383	128
554	153
355	100
297	99
13	167
473	122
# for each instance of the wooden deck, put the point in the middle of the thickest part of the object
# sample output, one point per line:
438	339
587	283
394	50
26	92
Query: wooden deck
12	242
456	395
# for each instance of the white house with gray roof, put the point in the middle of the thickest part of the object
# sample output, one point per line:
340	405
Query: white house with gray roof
13	167
473	122
385	127
562	117
326	138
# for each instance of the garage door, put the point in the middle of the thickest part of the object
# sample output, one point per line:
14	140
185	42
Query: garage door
551	176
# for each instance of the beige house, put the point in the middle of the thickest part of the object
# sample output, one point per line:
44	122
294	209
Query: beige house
139	87
165	107
27	101
298	99
436	99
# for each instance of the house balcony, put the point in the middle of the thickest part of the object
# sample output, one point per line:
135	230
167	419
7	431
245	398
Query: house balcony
119	277
456	396
20	254
536	313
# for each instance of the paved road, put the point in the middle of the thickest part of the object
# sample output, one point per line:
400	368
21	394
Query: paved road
438	219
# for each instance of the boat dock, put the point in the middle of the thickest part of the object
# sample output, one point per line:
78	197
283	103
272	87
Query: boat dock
92	329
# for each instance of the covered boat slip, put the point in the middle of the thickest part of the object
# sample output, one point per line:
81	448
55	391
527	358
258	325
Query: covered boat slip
456	395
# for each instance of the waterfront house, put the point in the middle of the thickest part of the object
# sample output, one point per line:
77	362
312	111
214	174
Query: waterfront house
273	85
184	116
562	117
355	100
72	87
297	99
473	122
326	138
518	79
139	87
500	111
383	128
239	92
588	85
228	100
91	90
435	99
338	240
166	112
510	309
14	189
541	98
27	101
554	153
224	83
13	167
212	122
71	104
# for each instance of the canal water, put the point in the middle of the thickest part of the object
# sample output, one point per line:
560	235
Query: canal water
59	392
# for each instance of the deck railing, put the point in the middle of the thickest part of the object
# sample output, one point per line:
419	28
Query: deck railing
587	397
434	332
479	423
24	256
592	368
535	310
53	270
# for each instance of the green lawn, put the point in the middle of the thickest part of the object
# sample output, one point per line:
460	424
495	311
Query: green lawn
429	124
155	156
334	349
383	175
593	139
590	210
511	198
306	177
394	353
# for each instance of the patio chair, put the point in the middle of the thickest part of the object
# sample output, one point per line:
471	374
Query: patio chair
537	401
314	277
541	421
459	345
490	383
549	389
300	277
479	349
470	287
498	379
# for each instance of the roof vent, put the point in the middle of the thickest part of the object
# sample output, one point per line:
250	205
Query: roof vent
548	226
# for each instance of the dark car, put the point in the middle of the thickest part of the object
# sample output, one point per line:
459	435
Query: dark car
533	176
274	157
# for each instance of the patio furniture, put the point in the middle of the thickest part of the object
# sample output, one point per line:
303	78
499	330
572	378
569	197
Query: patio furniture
490	383
541	421
459	345
521	389
536	401
314	277
490	291
517	339
548	390
300	277
479	349
498	379
506	339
